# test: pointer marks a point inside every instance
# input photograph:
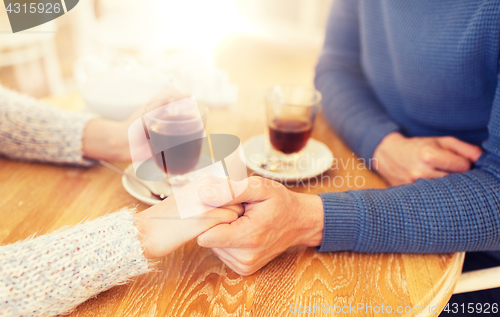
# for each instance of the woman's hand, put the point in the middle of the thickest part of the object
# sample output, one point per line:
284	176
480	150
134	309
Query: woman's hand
402	160
108	140
162	230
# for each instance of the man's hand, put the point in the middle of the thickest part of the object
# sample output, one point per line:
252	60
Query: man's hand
108	140
403	160
275	219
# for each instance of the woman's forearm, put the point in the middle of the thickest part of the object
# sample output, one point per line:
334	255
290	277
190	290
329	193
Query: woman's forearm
32	130
52	274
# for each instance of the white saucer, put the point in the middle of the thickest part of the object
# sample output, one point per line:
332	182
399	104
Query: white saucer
138	191
316	158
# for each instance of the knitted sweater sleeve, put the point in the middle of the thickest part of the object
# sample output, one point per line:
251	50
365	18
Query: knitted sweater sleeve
349	104
52	274
32	130
460	212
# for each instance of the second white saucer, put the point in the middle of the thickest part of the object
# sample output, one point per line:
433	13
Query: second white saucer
315	159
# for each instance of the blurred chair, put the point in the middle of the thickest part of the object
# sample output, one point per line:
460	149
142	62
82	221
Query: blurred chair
32	54
478	280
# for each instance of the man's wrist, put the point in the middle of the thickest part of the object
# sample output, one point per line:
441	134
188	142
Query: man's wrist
312	219
389	141
384	147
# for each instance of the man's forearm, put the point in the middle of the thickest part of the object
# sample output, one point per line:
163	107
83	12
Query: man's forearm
452	214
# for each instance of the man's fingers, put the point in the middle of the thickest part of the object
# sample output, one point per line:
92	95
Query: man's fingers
469	151
232	263
230	258
252	189
436	174
427	172
225	257
445	160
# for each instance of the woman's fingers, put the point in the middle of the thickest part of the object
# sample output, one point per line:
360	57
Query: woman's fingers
218	216
252	189
231	235
237	208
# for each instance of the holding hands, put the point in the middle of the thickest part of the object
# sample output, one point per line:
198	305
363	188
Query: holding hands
267	218
403	160
274	219
245	233
162	230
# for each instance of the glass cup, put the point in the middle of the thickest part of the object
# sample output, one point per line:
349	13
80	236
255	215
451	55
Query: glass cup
291	110
176	132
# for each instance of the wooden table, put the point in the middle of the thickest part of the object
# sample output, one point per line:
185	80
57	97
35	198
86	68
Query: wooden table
40	198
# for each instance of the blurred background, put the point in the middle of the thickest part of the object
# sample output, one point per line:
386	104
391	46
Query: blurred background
191	44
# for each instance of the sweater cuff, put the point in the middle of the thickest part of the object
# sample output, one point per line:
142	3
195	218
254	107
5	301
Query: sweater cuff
34	131
341	227
72	153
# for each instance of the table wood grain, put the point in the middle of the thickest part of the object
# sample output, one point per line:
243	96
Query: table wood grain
39	198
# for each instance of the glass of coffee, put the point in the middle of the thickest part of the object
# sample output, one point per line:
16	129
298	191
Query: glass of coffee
176	132
291	110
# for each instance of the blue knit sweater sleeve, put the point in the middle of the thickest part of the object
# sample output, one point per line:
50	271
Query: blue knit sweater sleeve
348	102
460	212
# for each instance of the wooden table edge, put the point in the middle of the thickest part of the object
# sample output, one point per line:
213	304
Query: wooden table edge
446	285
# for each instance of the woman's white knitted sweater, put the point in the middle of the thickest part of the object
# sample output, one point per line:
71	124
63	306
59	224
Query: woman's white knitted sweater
51	274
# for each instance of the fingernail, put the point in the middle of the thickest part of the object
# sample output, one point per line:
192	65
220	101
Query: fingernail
209	192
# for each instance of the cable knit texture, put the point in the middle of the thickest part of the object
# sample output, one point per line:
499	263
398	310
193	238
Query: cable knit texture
54	273
32	130
424	68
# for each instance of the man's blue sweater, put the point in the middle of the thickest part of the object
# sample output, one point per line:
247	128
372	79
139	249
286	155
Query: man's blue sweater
423	68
